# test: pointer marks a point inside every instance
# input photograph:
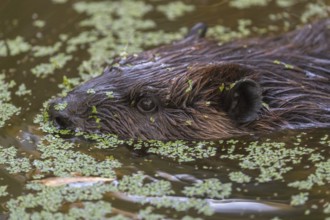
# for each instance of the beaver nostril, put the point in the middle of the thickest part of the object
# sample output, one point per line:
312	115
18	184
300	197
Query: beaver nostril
59	118
61	122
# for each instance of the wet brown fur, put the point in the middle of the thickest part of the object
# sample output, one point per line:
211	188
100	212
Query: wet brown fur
183	79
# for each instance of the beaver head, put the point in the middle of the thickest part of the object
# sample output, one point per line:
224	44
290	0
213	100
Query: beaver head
191	89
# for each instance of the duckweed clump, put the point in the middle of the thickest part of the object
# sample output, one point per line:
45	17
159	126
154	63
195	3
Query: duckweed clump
242	4
12	163
51	200
181	151
60	106
59	159
320	177
148	213
239	177
59	1
209	188
245	27
22	90
272	160
135	185
326	209
325	140
13	47
315	10
7	109
41	51
175	9
39	23
3	191
225	34
56	62
104	141
299	199
88	195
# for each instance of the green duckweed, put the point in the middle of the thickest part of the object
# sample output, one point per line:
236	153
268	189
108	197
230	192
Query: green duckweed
175	9
210	188
3	191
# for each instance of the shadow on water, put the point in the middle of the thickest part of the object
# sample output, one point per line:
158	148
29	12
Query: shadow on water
259	187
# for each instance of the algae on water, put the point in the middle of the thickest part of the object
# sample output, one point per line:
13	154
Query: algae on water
3	191
175	9
7	110
13	47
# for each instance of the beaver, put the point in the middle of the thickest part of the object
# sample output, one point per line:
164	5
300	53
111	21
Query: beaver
198	89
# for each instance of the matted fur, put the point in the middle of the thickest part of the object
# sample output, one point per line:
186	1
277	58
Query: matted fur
183	79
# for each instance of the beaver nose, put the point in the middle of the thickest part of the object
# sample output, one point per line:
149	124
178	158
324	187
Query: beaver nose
59	116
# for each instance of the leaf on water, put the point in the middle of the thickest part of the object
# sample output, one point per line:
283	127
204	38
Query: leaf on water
60	181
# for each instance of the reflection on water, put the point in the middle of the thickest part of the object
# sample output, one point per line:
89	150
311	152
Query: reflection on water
304	157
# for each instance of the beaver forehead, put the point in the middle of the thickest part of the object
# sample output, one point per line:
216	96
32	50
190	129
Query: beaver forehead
156	68
173	55
128	83
147	74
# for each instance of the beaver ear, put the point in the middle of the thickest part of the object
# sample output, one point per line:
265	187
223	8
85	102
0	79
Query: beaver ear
244	101
196	32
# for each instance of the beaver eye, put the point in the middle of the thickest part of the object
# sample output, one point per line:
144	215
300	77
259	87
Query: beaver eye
147	105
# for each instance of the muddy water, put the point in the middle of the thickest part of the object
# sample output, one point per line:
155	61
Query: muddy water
254	199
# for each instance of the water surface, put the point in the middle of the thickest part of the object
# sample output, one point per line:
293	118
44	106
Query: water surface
283	175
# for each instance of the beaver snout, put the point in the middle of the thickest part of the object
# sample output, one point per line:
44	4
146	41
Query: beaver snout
59	115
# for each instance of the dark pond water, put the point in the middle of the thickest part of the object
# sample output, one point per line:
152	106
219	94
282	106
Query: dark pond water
283	175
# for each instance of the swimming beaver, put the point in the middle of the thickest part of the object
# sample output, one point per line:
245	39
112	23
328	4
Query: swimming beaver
198	89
